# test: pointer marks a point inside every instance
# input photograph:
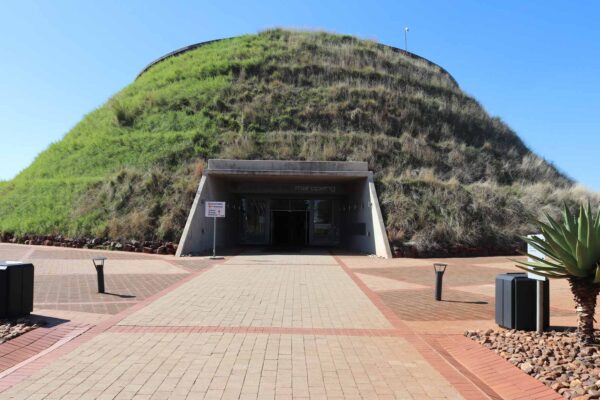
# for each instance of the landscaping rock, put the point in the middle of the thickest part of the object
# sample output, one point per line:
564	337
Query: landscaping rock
11	328
147	246
554	358
526	367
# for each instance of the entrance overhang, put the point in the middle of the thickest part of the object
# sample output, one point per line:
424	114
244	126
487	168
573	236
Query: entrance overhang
351	184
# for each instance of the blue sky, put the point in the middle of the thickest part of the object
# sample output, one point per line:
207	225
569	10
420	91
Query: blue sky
535	64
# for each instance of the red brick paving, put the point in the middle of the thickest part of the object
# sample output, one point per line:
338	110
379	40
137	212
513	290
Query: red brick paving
80	292
191	264
61	253
504	378
110	308
420	305
35	341
464	275
468	366
456	305
466	383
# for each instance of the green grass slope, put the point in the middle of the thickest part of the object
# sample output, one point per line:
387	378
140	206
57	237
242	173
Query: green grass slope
447	173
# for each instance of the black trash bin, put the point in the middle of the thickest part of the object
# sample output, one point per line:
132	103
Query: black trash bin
516	301
16	289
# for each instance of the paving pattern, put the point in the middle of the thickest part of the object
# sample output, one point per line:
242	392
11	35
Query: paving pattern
78	292
261	326
468	275
265	292
113	266
380	284
238	366
420	305
66	285
62	253
407	287
308	296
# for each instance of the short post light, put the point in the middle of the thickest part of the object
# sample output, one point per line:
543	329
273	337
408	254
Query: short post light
439	269
99	265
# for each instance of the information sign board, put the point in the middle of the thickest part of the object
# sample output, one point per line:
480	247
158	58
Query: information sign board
214	209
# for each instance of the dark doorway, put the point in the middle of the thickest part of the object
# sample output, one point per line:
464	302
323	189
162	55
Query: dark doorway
289	228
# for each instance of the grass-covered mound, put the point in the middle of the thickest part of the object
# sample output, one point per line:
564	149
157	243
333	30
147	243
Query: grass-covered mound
447	173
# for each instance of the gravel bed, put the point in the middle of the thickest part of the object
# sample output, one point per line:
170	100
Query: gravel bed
11	328
554	358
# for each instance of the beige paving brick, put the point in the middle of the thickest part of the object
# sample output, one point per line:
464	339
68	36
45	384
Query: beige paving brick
377	369
244	292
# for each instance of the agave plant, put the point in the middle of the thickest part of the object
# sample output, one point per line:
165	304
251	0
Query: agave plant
572	252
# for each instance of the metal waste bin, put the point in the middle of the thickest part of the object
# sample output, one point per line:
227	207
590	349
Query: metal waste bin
16	289
516	300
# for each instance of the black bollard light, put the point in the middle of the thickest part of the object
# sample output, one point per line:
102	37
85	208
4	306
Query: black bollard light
99	265
439	269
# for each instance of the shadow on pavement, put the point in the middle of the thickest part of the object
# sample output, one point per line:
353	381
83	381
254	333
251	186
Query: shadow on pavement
123	296
46	321
465	302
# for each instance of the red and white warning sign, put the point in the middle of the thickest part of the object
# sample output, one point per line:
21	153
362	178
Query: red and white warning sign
214	209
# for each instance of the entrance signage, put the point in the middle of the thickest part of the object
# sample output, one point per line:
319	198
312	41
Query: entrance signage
314	189
285	188
214	209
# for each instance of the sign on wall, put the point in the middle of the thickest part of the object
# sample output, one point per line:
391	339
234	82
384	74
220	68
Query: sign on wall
270	187
214	209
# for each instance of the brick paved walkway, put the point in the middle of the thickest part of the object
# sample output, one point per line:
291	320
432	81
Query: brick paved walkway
264	326
406	286
312	292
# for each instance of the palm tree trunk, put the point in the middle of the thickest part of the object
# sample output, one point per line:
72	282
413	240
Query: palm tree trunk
585	294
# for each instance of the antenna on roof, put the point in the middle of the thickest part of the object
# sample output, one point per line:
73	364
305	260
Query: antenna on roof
406	38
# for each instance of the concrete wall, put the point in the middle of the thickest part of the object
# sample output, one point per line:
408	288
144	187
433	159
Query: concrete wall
364	212
197	237
382	244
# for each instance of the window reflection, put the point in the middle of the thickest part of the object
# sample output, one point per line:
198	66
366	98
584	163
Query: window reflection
254	222
322	217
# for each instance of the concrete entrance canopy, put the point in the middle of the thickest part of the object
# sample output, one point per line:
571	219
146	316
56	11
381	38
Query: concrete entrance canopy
290	203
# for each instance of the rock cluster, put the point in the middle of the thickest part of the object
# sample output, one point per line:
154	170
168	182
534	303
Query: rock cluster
10	329
554	358
147	246
456	250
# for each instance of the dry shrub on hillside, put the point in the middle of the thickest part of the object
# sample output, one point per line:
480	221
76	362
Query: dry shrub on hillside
144	204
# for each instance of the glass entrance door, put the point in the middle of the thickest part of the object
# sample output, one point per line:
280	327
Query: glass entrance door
253	213
324	229
289	222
